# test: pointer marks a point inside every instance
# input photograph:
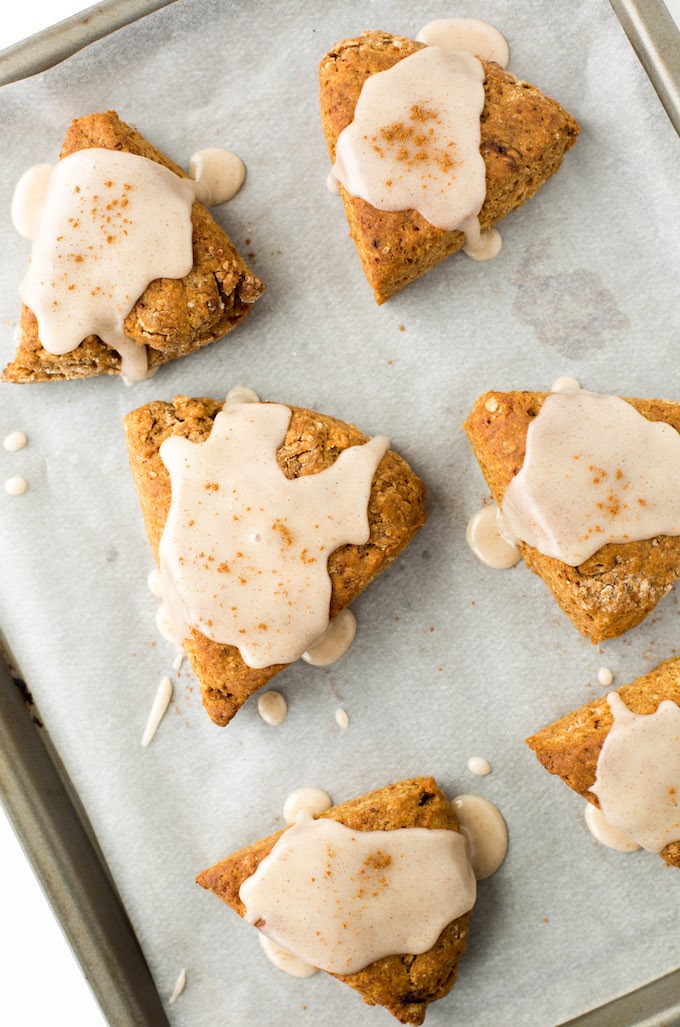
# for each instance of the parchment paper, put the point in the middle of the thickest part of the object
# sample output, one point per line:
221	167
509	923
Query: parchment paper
452	659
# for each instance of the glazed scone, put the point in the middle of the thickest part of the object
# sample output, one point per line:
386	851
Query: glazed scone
617	587
313	442
404	984
524	136
571	746
173	317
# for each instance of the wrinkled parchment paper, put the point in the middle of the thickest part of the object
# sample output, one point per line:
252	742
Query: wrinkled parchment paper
452	659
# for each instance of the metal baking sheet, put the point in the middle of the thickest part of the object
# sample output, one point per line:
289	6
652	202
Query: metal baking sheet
55	44
654	37
81	890
54	833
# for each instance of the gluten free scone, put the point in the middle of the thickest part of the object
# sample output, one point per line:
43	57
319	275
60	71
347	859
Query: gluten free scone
384	883
622	754
129	270
585	485
266	521
521	139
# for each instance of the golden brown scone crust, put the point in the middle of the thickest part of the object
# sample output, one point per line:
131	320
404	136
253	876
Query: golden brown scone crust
396	510
524	136
405	984
173	317
571	746
617	587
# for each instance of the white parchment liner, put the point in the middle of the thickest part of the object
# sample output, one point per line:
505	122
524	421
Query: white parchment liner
452	659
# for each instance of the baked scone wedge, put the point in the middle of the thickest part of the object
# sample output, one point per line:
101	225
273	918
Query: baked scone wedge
524	136
313	442
570	747
172	317
617	587
403	984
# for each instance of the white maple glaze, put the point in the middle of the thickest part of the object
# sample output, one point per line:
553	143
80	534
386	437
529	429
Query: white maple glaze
335	641
469	34
638	774
158	709
311	801
153	582
479	766
180	985
15	441
167	626
242	394
605	834
414	140
28	199
244	552
284	960
342	718
218	175
16	485
305	800
272	707
485	538
111	223
484	827
595	471
482	245
340	899
563	383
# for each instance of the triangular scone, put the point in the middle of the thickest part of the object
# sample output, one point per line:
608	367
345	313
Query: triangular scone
621	583
524	136
571	746
173	317
396	510
403	984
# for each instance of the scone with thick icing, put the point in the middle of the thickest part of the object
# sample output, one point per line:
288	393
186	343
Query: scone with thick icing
266	522
523	136
603	528
143	260
376	907
621	753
